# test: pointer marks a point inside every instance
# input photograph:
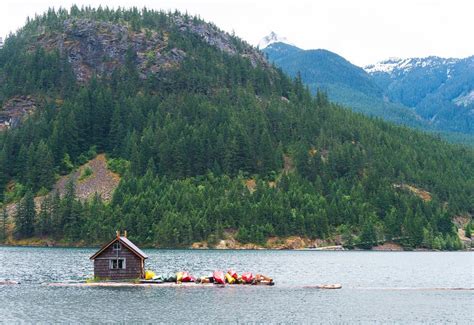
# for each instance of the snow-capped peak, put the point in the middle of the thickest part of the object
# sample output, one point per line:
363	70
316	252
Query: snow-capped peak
386	66
270	39
406	65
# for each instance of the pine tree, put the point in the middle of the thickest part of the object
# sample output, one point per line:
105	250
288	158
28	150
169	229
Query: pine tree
4	175
21	164
44	166
368	236
68	212
468	230
43	225
3	229
116	132
57	222
25	217
31	175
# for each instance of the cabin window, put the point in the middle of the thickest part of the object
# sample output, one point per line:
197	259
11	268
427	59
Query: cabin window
117	264
117	246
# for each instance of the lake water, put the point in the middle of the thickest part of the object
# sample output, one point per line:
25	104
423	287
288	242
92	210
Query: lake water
378	287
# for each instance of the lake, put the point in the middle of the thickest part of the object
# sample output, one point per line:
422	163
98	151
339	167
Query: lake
378	287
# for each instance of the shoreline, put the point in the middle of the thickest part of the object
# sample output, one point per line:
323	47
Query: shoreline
337	248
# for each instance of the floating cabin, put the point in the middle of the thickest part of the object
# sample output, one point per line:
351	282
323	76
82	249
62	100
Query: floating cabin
119	259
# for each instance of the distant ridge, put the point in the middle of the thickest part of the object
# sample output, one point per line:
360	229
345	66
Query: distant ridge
434	94
439	90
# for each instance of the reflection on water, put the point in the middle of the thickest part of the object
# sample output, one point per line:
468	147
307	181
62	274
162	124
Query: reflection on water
368	294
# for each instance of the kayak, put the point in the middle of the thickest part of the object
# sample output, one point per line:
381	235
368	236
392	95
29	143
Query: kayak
218	277
229	278
184	277
233	274
149	275
247	277
187	277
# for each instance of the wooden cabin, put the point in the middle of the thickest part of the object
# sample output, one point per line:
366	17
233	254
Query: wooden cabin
119	259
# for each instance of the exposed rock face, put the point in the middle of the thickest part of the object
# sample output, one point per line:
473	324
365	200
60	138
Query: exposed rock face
15	110
389	246
99	47
102	181
217	38
292	242
422	194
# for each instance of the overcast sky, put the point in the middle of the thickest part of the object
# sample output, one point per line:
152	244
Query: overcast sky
362	31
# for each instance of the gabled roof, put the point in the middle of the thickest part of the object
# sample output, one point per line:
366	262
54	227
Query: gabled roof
125	241
133	247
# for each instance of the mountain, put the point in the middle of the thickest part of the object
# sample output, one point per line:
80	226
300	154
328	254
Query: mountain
207	141
344	82
323	67
270	39
439	90
387	89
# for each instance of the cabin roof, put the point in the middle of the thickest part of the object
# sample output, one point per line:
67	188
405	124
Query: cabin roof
125	241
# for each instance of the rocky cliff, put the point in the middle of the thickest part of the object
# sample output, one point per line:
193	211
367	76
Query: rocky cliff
15	110
98	47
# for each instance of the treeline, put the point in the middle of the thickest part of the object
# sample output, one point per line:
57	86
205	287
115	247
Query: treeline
174	213
63	218
192	135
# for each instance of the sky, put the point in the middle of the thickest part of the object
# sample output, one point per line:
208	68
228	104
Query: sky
362	31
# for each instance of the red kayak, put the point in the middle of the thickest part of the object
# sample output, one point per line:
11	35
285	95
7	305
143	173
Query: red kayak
247	277
233	274
218	277
186	277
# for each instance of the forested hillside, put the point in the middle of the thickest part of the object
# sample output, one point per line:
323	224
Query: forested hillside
188	115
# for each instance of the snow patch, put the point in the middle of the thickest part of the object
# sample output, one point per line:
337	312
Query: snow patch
406	65
386	66
465	99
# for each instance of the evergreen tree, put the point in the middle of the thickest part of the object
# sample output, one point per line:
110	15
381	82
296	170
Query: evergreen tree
368	236
43	226
4	175
25	217
116	133
468	230
44	166
70	215
31	174
3	229
21	164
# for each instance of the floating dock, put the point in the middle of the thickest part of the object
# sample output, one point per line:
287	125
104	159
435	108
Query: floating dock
148	284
